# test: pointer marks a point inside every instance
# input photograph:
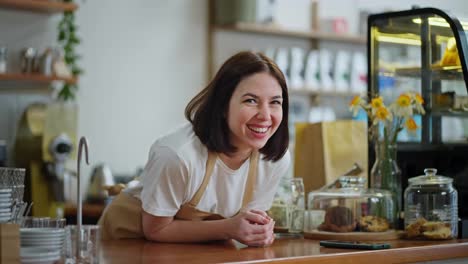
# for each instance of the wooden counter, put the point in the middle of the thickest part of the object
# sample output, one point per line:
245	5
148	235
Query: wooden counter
291	250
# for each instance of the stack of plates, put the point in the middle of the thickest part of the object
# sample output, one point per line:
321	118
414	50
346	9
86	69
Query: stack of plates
41	245
38	256
5	205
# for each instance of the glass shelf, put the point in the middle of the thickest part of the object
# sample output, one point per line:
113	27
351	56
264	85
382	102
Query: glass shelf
438	72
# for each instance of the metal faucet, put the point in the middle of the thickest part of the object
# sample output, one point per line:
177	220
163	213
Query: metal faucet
83	142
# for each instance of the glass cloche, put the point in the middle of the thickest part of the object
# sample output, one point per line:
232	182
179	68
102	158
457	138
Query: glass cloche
347	206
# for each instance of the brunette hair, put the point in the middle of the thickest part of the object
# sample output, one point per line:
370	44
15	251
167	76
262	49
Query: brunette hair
207	110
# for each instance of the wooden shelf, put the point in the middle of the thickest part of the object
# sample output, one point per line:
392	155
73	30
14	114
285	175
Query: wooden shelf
308	92
278	31
41	6
35	77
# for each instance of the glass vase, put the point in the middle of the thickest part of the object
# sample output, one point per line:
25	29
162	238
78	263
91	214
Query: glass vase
386	175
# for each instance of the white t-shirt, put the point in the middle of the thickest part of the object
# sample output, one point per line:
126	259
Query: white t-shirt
175	170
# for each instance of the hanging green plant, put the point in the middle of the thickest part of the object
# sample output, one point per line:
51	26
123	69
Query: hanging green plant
68	40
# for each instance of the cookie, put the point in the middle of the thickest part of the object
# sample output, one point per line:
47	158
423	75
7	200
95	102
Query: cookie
372	223
443	232
414	229
433	226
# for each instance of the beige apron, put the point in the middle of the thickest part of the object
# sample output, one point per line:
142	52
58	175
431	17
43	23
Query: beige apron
122	218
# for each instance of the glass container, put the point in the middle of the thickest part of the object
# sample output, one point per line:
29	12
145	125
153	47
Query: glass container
288	206
347	206
431	210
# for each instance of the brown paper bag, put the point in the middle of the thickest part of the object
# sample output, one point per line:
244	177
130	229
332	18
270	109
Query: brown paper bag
326	150
9	243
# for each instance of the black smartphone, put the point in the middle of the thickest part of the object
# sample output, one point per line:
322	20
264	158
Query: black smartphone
354	244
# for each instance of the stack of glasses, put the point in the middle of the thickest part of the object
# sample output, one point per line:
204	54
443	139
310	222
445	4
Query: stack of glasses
12	182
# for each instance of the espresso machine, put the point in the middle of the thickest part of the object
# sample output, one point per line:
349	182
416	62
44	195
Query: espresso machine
44	145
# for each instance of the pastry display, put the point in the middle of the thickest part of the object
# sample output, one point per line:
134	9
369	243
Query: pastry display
424	229
372	223
450	57
341	205
338	219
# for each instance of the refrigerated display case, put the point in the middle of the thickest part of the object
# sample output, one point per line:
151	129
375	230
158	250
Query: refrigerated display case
425	50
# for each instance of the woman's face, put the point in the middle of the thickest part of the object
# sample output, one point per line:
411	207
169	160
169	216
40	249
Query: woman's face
255	111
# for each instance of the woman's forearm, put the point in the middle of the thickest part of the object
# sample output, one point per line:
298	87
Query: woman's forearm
252	228
190	231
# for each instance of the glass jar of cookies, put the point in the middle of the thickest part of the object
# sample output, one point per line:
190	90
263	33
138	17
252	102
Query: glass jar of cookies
431	210
348	206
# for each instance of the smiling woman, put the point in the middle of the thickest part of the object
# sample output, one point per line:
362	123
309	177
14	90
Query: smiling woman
223	167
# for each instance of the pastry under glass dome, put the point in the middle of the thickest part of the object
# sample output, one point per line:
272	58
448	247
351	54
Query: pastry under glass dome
347	206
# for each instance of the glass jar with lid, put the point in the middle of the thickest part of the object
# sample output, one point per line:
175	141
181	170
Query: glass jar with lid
431	210
347	206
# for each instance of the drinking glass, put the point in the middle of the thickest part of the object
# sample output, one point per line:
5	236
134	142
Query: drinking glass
288	206
297	205
89	242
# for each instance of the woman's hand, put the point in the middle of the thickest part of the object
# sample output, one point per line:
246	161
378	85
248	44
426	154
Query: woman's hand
253	228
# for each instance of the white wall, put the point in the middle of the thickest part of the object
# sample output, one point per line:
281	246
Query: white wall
143	61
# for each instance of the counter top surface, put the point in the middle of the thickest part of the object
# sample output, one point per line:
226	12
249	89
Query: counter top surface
284	250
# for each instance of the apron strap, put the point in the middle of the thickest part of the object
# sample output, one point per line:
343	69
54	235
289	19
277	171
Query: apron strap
249	187
251	180
206	179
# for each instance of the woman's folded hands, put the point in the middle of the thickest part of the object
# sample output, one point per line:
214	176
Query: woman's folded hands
252	228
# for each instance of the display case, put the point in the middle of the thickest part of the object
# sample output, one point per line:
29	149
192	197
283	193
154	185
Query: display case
424	50
346	208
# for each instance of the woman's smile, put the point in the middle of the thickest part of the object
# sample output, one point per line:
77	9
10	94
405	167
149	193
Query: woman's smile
259	131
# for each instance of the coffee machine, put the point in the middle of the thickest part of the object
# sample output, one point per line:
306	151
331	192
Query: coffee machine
44	145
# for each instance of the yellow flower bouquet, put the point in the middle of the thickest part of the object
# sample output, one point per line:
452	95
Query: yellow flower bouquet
386	122
392	119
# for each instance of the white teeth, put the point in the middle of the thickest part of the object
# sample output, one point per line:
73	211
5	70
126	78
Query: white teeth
258	129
